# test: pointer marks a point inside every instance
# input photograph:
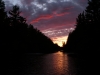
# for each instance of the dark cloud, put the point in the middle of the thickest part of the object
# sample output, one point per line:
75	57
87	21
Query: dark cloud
49	14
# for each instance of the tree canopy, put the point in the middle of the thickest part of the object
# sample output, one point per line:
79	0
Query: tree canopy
19	36
86	34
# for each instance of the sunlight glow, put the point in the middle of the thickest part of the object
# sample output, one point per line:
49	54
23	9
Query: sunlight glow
59	40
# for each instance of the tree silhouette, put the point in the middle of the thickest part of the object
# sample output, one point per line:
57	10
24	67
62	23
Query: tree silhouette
3	26
2	10
86	34
18	36
15	16
3	14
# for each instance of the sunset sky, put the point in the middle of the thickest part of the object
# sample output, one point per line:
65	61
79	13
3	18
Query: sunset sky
55	18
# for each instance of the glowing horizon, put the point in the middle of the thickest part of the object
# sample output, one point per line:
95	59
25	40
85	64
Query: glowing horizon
59	40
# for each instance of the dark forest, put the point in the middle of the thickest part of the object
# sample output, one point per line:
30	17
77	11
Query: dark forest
19	36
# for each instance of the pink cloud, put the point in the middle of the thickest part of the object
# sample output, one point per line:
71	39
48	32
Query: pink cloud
42	17
61	14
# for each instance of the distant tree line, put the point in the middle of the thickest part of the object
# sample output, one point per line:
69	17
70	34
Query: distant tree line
18	36
86	36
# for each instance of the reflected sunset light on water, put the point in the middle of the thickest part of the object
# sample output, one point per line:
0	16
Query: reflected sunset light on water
60	62
55	64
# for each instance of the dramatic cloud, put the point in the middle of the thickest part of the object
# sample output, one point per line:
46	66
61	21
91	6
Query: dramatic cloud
50	16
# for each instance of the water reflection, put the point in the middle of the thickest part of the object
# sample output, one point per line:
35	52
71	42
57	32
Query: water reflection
60	62
56	64
42	64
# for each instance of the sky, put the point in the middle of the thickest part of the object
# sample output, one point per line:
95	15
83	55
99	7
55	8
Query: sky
54	18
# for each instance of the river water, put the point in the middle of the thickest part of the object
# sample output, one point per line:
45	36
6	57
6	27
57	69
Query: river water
58	63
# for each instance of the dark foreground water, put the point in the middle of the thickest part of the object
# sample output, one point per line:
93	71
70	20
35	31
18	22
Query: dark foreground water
45	64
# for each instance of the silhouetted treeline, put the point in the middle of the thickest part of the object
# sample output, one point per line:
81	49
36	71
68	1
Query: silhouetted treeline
17	36
86	36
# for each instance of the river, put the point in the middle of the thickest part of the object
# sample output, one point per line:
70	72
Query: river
58	63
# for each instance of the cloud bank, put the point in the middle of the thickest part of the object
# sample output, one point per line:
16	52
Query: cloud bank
57	16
